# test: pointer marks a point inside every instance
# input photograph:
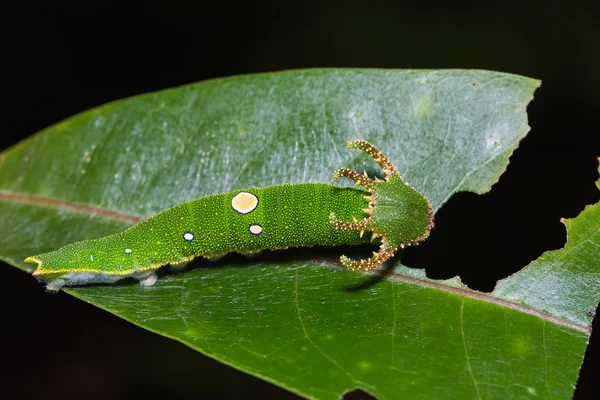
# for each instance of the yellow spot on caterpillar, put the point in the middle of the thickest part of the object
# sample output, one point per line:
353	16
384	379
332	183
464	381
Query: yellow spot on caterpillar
244	202
255	229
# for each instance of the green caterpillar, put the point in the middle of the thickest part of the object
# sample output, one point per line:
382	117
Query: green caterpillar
393	214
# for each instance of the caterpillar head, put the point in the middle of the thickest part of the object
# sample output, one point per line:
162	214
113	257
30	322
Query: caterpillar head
398	215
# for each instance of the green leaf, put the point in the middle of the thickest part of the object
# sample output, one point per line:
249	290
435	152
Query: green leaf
295	318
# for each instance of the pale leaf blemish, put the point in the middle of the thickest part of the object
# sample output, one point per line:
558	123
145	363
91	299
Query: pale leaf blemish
422	106
521	345
492	143
365	365
354	114
136	129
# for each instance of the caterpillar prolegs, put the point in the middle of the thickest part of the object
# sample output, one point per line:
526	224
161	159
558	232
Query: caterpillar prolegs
387	212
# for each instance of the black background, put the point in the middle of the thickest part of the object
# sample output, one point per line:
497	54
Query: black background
57	60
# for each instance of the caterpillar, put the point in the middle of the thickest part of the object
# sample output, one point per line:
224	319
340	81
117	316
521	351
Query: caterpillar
387	212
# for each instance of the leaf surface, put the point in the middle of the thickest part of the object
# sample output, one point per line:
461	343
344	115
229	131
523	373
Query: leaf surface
295	318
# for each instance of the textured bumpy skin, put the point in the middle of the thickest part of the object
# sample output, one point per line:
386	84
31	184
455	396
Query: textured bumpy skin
251	220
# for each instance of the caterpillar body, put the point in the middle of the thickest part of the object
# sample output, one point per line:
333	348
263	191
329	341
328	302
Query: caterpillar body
387	212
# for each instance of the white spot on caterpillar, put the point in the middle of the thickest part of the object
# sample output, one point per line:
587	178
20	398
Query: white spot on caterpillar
188	236
244	202
128	251
255	229
91	257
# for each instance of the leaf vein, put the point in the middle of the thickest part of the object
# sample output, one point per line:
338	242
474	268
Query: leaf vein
462	332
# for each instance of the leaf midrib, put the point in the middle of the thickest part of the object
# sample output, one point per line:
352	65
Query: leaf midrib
69	206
